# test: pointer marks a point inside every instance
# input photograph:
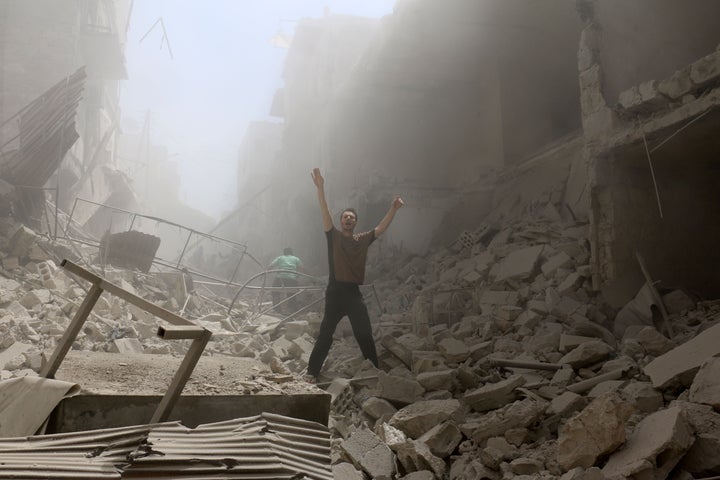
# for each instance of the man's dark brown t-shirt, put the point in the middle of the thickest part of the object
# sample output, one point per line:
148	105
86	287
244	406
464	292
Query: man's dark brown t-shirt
347	255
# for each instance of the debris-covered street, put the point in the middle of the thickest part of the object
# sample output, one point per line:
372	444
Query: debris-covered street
545	304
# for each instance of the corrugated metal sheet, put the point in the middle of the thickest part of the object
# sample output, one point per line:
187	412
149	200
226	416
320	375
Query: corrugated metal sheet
265	446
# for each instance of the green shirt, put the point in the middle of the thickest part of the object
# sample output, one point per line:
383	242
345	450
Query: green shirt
286	262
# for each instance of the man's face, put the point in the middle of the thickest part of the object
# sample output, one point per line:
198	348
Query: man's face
348	220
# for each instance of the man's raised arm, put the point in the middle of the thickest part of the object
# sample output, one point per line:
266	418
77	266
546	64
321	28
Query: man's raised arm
319	182
396	204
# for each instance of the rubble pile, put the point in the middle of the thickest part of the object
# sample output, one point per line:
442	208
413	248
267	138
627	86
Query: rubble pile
497	360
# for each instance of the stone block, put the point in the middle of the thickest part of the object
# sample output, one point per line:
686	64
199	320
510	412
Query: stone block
398	390
480	350
569	342
561	260
570	284
442	439
654	447
643	397
416	419
518	265
565	404
587	354
21	242
596	431
437	380
678	84
416	456
453	350
677	302
702	459
369	453
706	70
395	347
520	414
378	407
427	361
15	350
494	395
346	471
490	297
341	395
579	473
705	388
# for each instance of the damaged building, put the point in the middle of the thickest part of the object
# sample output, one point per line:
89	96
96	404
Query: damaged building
544	306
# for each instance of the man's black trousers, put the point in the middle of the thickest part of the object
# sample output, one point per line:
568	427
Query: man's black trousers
342	299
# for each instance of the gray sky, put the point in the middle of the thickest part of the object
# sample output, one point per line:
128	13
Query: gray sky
222	74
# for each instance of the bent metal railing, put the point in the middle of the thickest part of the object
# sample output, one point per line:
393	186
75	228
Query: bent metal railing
297	290
181	329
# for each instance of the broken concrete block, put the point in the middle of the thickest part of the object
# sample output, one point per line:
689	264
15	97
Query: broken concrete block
378	407
705	388
570	284
680	364
419	475
341	395
561	260
654	342
418	418
397	389
527	466
593	433
519	414
390	435
587	354
416	456
643	397
437	380
442	439
702	459
346	471
21	242
453	350
569	342
580	473
654	447
706	70
431	361
369	453
494	395
398	349
519	264
677	85
565	404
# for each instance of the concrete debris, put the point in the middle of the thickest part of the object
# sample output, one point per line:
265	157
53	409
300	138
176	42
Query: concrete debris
501	361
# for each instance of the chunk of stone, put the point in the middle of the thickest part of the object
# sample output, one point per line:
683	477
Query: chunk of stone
677	301
378	407
494	297
526	466
127	346
679	365
678	84
438	380
596	431
14	351
397	389
21	242
494	395
416	456
519	414
570	284
453	350
565	404
390	435
369	453
587	354
580	473
518	265
702	459
705	388
654	447
346	471
654	342
419	475
643	397
398	349
561	260
442	439
418	418
706	70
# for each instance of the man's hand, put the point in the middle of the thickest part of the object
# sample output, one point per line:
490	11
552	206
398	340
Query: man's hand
317	178
397	203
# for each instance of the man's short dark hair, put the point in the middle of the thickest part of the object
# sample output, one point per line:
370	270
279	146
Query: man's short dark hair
288	251
352	210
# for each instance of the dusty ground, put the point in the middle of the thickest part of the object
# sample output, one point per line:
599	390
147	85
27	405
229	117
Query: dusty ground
146	374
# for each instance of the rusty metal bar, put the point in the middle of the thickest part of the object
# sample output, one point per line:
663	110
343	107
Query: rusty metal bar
181	377
182	329
72	331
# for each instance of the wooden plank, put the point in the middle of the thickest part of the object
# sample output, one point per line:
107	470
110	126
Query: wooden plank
181	377
72	331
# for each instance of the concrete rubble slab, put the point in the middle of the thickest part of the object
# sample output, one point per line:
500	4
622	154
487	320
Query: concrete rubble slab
369	453
680	364
596	431
494	395
398	390
416	456
519	264
416	419
654	447
519	414
442	439
702	459
586	354
705	388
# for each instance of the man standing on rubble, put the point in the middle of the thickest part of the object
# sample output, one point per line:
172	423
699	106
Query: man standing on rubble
347	253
